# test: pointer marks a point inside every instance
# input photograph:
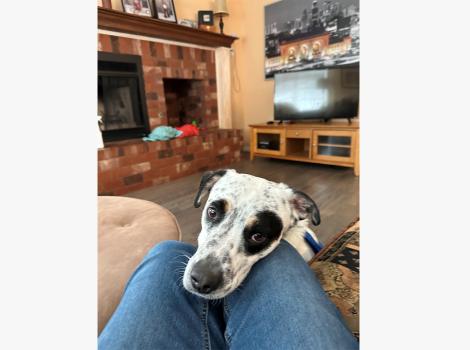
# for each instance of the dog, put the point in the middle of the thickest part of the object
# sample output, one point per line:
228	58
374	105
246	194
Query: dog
244	219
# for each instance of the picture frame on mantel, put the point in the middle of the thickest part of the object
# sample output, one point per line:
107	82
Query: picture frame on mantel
165	10
205	20
137	7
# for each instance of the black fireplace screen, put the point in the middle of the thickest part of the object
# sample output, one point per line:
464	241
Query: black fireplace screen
121	101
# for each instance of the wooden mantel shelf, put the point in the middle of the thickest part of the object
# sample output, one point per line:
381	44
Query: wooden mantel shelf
133	24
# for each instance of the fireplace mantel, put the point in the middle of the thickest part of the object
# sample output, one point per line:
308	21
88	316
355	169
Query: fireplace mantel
133	24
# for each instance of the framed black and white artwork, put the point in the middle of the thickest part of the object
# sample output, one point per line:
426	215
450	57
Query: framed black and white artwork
306	34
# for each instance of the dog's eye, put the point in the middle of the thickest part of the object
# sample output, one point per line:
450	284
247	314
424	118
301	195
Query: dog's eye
258	237
211	212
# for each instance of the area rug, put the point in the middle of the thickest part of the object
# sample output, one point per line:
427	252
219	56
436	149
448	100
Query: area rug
337	269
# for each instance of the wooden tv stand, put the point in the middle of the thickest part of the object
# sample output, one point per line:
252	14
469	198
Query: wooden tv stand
333	142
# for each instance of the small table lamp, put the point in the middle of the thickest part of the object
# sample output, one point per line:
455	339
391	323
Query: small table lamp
220	9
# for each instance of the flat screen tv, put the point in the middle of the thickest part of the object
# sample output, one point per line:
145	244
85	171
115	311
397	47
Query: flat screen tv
317	94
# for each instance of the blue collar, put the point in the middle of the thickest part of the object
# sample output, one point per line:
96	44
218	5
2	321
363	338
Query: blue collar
316	246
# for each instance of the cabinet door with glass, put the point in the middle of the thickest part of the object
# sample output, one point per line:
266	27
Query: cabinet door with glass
269	141
336	146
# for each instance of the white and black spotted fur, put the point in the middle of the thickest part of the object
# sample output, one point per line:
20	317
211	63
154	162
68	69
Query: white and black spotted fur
243	220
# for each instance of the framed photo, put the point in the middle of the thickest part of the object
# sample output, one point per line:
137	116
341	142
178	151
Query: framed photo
165	10
205	18
137	7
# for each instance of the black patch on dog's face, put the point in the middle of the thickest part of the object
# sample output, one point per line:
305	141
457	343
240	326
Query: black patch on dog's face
220	208
269	225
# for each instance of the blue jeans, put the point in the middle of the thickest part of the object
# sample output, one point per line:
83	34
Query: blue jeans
280	305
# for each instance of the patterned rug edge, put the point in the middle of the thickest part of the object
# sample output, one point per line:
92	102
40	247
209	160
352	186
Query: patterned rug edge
333	241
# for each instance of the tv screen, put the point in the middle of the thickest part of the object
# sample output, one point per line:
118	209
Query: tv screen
317	94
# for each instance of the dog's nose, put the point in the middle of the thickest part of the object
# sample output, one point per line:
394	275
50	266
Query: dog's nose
206	276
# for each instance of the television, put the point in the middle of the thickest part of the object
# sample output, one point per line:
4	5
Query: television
317	94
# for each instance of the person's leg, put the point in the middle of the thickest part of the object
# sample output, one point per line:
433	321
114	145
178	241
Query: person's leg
156	312
281	305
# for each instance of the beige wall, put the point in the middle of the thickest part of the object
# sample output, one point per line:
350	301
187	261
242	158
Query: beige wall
252	95
254	102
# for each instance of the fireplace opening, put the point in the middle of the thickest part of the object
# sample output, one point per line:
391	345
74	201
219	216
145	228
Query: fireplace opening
121	97
184	101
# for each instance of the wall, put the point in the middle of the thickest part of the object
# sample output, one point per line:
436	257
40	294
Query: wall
252	95
253	103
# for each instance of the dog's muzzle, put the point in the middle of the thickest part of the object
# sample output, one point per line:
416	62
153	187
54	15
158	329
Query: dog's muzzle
206	275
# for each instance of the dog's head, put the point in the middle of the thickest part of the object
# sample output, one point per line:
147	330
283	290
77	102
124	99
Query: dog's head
243	220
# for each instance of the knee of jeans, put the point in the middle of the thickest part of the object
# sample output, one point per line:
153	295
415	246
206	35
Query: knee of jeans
284	251
164	264
172	250
284	255
166	256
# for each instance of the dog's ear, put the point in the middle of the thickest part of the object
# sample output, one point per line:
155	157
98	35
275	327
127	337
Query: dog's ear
209	178
305	207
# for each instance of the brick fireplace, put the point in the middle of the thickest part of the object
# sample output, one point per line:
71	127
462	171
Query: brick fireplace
180	86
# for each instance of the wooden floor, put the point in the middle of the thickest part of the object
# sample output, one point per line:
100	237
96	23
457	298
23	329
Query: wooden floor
334	189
